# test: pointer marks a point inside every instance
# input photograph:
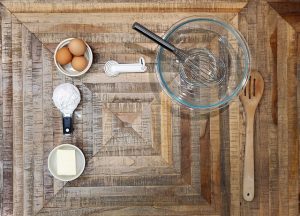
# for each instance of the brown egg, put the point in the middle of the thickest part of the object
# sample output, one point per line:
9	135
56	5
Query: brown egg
77	47
63	56
79	63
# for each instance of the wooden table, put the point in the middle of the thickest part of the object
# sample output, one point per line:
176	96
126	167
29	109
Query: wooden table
145	155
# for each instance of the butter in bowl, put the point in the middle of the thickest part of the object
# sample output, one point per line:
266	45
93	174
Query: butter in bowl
73	57
66	162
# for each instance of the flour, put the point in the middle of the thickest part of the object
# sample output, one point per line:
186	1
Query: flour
66	98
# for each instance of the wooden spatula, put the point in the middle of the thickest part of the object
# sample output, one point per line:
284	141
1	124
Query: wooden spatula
250	98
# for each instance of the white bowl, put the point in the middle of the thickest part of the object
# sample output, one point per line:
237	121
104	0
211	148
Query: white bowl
80	162
67	69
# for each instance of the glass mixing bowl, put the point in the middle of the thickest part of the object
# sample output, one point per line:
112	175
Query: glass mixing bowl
224	52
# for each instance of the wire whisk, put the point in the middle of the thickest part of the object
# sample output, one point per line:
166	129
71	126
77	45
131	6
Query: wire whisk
199	67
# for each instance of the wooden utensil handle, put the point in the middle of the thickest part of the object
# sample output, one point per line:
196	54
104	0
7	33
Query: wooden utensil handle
248	181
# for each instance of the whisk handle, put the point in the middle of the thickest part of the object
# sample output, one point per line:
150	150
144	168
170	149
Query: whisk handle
149	34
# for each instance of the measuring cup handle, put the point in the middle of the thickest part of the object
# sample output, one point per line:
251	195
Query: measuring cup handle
67	125
149	34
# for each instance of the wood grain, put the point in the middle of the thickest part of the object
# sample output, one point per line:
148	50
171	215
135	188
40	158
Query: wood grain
289	11
287	120
125	6
7	123
145	155
298	51
17	77
28	122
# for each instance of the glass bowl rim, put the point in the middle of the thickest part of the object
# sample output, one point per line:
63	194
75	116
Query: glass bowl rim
238	36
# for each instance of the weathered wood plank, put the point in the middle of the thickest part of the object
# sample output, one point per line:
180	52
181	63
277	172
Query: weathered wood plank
133	211
125	196
1	124
28	122
134	78
235	188
273	145
263	114
17	77
155	120
298	109
38	126
102	23
289	10
48	123
283	137
129	166
213	130
288	143
166	132
185	146
194	128
97	124
206	158
125	6
87	120
133	181
225	161
7	120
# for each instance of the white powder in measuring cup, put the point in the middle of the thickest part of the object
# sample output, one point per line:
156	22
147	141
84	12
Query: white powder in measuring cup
66	98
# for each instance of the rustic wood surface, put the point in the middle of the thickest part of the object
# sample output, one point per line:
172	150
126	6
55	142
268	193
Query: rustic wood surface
145	155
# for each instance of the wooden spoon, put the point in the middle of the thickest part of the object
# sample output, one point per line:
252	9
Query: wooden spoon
250	98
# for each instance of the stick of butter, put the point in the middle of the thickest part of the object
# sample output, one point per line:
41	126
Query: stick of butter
66	162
